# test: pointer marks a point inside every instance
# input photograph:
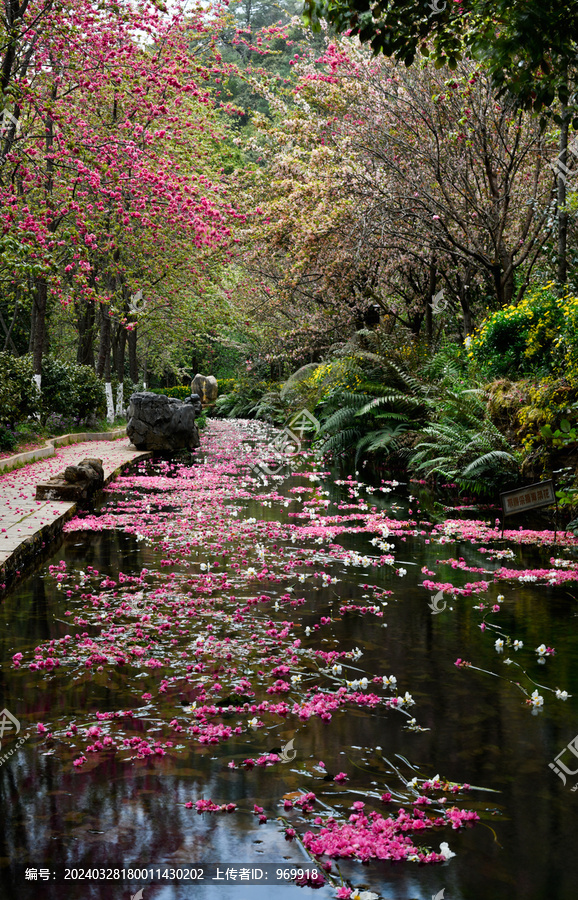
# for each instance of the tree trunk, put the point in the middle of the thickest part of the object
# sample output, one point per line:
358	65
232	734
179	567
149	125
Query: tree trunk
465	303
32	324
506	276
104	341
429	300
120	353
85	321
108	389
40	304
41	294
8	331
468	325
114	343
498	284
562	265
103	364
132	359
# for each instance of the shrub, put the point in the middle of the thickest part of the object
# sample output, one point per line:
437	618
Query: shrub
549	402
71	390
567	341
56	423
8	439
181	391
245	398
528	338
19	397
226	385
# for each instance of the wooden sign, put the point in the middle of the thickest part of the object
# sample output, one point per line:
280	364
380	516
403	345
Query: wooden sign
540	494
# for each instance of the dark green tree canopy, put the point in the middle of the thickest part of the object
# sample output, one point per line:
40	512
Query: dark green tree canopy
530	46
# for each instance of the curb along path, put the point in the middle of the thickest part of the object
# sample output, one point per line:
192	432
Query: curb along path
26	525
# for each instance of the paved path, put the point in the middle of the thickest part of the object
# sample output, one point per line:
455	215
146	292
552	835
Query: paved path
25	523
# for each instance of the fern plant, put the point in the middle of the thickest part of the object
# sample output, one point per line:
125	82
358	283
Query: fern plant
250	399
371	418
474	455
434	419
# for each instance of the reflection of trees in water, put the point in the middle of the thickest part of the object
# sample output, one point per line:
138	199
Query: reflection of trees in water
114	814
119	815
110	552
29	606
30	611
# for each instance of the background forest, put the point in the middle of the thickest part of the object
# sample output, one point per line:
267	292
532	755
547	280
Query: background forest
387	240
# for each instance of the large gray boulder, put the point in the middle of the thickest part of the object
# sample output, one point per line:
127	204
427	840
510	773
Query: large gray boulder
206	387
156	422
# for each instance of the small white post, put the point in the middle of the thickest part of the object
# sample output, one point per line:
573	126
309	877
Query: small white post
109	402
120	400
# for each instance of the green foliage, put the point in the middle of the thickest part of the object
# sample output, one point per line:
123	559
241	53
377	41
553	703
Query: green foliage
251	398
567	340
394	29
473	455
71	390
547	402
226	385
524	338
563	437
365	421
19	397
432	418
460	444
8	438
368	405
261	50
567	492
529	46
180	391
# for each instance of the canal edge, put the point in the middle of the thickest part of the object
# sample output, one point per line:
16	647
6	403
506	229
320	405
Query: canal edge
26	554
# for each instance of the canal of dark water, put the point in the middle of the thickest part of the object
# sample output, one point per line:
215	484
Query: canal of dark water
217	664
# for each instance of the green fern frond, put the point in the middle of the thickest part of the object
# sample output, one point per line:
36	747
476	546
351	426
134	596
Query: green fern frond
485	461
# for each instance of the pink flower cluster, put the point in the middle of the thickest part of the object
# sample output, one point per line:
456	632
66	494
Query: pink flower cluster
208	806
366	837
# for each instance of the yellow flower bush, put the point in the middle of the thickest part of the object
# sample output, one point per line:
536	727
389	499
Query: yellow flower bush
527	338
537	337
338	374
226	385
567	340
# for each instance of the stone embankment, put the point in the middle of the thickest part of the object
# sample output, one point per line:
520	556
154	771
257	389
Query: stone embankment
27	525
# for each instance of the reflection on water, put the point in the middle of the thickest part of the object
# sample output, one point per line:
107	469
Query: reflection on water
477	730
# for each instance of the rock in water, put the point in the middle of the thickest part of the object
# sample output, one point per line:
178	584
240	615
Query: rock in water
206	387
77	483
156	422
89	471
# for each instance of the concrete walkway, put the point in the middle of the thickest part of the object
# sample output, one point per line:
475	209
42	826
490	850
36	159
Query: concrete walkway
26	524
